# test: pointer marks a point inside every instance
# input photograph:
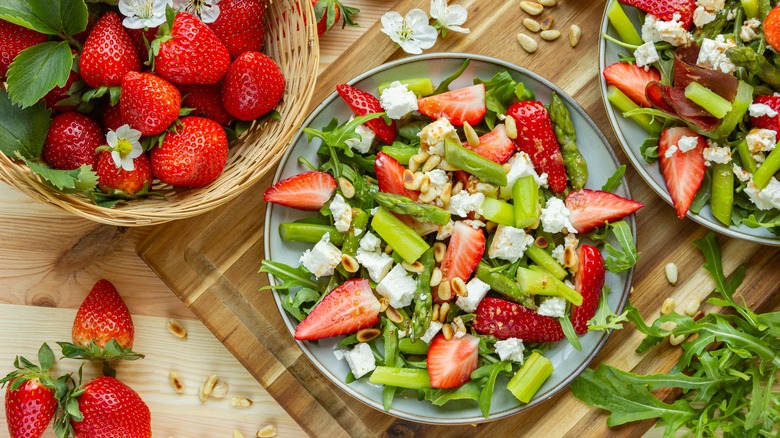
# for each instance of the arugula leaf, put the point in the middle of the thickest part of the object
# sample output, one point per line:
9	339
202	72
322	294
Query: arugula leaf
68	17
571	335
290	276
605	319
37	70
468	391
486	395
625	258
704	193
294	303
22	131
444	85
649	149
499	94
78	180
615	180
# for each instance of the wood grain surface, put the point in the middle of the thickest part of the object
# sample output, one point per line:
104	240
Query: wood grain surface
214	270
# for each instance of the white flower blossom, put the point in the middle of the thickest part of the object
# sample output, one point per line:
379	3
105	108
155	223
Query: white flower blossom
206	10
448	17
412	33
143	13
125	146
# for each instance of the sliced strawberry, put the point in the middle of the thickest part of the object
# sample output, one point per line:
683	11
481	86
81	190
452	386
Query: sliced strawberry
305	191
461	105
588	281
363	103
683	171
494	145
450	363
346	309
632	80
766	122
536	138
505	319
665	9
771	27
465	250
591	208
390	175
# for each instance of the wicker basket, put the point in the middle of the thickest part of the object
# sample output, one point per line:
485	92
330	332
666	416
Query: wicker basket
291	40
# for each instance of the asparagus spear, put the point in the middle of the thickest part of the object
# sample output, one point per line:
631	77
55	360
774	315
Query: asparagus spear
421	317
504	285
403	205
576	167
755	63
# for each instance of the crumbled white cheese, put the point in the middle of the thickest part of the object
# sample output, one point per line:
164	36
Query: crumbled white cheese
520	165
557	253
741	174
646	55
477	289
761	109
361	360
510	349
463	202
397	100
553	306
445	231
717	154
555	217
342	213
672	31
370	242
473	223
357	231
398	287
701	16
432	136
373	211
712	54
761	140
732	14
339	354
364	142
509	243
711	5
669	152
378	264
748	30
322	259
437	180
433	330
686	143
766	198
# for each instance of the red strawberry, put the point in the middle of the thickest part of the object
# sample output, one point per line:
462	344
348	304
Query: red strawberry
149	103
588	281
462	105
108	54
117	181
494	145
363	103
103	316
772	28
253	86
193	156
321	12
451	362
665	9
683	171
240	25
504	319
58	94
632	80
346	309
766	122
29	408
536	138
591	208
206	100
112	117
142	38
191	53
465	250
305	191
14	39
390	176
72	140
111	409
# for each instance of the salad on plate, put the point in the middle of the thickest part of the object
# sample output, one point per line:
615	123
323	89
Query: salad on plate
453	240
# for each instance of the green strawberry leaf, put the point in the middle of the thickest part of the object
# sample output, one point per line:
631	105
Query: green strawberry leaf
68	17
37	70
20	12
22	131
78	180
45	357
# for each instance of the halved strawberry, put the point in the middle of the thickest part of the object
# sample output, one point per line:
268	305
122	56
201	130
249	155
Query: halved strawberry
363	103
505	319
766	122
535	137
465	250
591	208
346	309
390	175
665	9
588	281
450	363
494	145
461	105
683	171
305	191
632	80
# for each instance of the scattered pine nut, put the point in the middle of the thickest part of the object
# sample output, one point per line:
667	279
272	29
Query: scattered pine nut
240	402
471	134
347	189
415	267
550	35
435	277
547	23
527	43
532	8
541	242
446	193
511	128
410	181
268	431
425	184
208	386
548	3
367	334
388	249
393	315
435	313
459	287
220	390
383	304
431	163
177	329
444	309
692	308
439	250
676	339
421	157
574	35
447	331
531	24
237	434
350	264
176	382
427	196
668	306
201	395
671	273
444	291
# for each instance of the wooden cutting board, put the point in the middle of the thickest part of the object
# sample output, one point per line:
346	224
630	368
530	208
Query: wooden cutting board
211	261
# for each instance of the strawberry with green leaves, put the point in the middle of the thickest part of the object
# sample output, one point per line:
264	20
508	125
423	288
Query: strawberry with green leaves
240	25
14	39
149	103
253	86
72	141
328	13
120	182
108	54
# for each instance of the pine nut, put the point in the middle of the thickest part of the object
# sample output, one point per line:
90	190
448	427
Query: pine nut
574	35
447	331
435	313
383	304
393	315
177	329
671	273
692	308
444	309
529	44
415	267
457	187
431	163
548	3
459	287
444	291
547	23
201	395
471	134
532	8
421	157
367	334
439	250
347	188
176	382
676	339
237	434
208	386
541	242
435	277
459	325
550	35
427	197
349	263
570	258
388	249
446	193
410	182
268	431
240	402
511	127
413	165
531	24
668	306
425	184
220	390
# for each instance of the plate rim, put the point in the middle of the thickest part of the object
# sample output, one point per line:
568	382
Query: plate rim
378	405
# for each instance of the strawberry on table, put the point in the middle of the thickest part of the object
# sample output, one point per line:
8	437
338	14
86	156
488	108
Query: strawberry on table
108	54
240	25
31	396
683	171
328	13
363	103
451	362
767	122
253	86
494	145
465	250
390	176
632	80
588	281
14	39
305	191
190	52
505	319
346	309
461	105
535	137
206	100
149	103
111	409
72	141
666	9
590	209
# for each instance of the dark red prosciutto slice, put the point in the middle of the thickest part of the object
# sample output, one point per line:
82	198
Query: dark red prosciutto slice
672	100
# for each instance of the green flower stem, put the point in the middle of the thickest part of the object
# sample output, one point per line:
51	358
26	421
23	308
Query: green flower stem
539	282
407	346
401	153
503	285
740	106
403	205
420	86
744	155
708	99
768	168
525	193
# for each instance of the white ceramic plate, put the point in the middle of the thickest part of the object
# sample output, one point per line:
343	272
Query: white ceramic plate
631	137
567	361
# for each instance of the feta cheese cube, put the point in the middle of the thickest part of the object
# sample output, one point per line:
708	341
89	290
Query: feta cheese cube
717	154
748	30
432	136
510	349
555	217
520	165
761	109
364	142
437	179
553	306
398	287
339	354
397	100
342	213
370	242
463	203
322	259
686	143
646	55
433	330
669	152
741	174
378	264
361	360
702	16
713	54
761	140
509	243
445	231
672	31
557	253
477	289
